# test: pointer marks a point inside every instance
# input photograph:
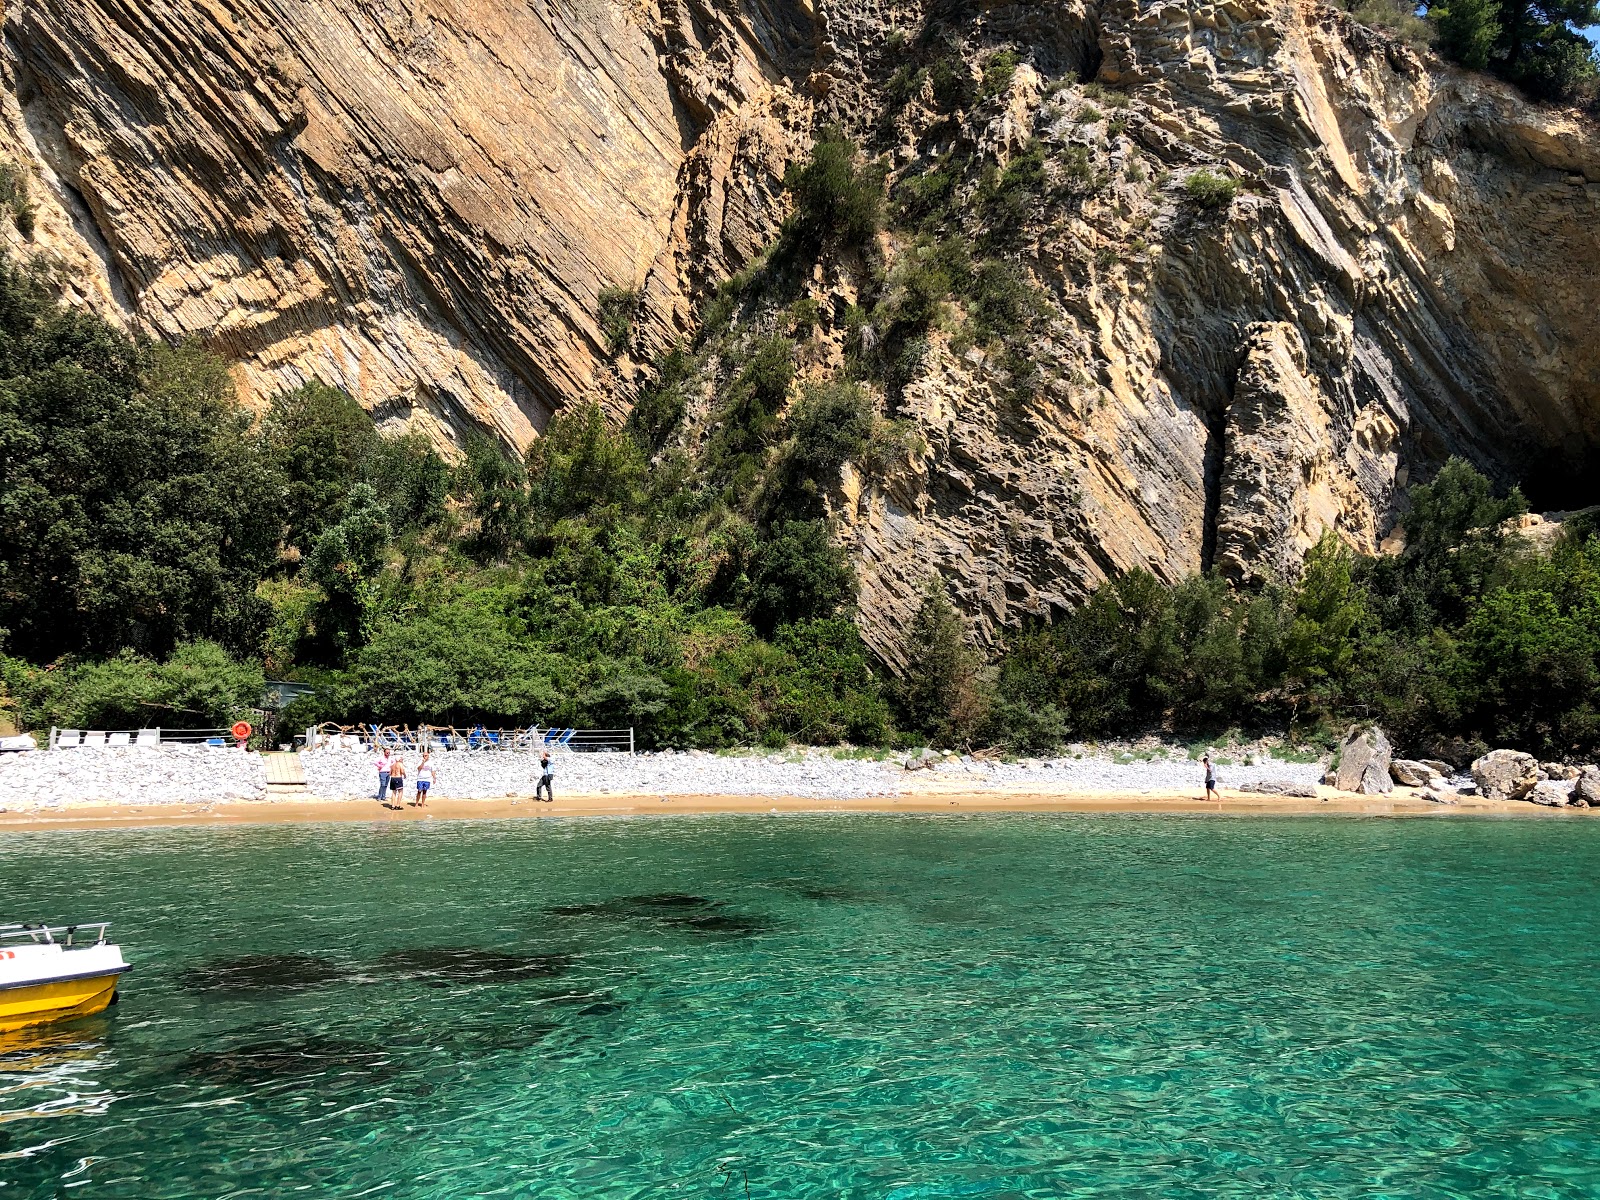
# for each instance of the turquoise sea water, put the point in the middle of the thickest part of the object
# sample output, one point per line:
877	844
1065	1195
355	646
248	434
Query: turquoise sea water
892	1007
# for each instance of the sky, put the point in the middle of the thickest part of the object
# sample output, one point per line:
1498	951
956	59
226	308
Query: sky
1593	33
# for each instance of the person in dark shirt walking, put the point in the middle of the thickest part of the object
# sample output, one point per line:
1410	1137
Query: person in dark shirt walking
547	777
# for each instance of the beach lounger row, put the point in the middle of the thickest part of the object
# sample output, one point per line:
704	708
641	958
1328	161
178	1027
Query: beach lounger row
71	739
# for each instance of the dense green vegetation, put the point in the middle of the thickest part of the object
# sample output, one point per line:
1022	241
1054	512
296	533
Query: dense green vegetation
1468	634
1533	43
161	549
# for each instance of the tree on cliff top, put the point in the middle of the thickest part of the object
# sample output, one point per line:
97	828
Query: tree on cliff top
1533	43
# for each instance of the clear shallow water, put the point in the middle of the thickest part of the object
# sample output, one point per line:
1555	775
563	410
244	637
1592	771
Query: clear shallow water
886	1007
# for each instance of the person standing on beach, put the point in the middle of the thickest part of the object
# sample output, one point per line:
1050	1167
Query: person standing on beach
397	780
426	777
383	775
1211	780
547	777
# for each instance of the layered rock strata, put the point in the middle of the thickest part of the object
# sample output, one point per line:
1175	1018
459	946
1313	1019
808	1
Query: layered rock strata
422	201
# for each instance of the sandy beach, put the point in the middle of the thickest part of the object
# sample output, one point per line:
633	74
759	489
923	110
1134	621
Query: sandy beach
928	798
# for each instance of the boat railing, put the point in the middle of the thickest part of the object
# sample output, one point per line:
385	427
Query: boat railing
45	935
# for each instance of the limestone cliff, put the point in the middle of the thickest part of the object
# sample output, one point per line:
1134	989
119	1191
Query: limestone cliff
421	200
418	200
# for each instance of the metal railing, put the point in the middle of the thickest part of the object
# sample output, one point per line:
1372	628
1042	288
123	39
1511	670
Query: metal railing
70	739
476	737
45	935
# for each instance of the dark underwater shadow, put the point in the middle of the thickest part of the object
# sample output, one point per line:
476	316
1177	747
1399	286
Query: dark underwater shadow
672	911
443	966
263	974
283	1059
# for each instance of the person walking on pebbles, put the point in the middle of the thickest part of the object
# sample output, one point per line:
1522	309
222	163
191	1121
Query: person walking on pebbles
1211	780
547	778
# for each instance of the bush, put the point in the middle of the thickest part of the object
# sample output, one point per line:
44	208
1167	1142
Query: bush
746	422
580	465
1002	302
832	197
829	426
998	72
15	199
615	313
953	89
805	314
939	694
1396	17
904	86
923	200
1078	174
1209	190
830	693
345	564
798	575
198	687
661	405
457	663
493	489
1006	199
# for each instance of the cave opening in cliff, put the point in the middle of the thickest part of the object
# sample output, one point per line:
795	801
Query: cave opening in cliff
1089	64
1569	483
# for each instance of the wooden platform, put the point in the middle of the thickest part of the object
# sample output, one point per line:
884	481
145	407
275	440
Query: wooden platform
286	778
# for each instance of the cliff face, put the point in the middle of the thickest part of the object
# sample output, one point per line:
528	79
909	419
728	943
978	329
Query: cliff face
1407	275
418	200
421	200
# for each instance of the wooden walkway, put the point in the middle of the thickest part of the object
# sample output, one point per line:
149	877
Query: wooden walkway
286	778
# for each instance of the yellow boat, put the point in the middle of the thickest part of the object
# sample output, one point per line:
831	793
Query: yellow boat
53	974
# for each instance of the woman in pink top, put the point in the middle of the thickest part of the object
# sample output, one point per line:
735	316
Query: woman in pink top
383	776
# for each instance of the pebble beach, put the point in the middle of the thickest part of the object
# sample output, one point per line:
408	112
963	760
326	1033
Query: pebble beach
57	781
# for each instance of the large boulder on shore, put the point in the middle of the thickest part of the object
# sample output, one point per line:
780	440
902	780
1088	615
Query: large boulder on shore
1364	761
1505	774
1414	773
1588	786
1552	793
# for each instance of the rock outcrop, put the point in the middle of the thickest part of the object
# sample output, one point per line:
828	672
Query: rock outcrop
1551	793
1506	774
1588	786
1364	762
419	203
422	203
1413	773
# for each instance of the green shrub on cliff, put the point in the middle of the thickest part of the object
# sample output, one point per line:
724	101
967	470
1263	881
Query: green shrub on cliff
833	197
1210	190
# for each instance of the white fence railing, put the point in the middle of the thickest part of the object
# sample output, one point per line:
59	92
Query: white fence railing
71	739
393	737
476	737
